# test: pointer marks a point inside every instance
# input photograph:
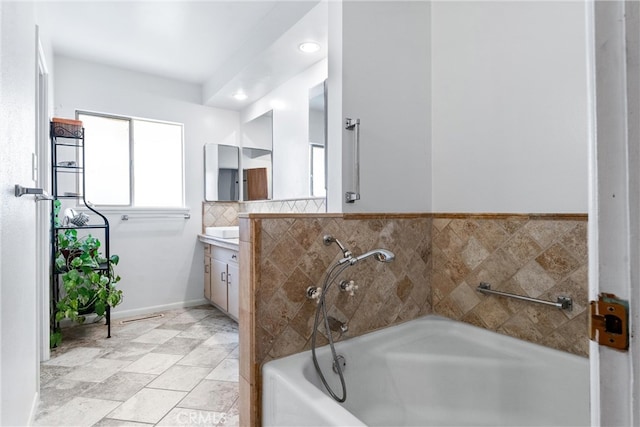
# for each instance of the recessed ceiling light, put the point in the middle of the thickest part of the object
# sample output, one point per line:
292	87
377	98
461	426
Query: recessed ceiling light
240	96
309	47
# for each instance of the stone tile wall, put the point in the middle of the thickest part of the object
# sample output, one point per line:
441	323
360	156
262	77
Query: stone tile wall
221	214
283	254
293	257
440	260
537	256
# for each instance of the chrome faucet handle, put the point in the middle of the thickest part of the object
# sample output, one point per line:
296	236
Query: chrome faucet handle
348	286
314	293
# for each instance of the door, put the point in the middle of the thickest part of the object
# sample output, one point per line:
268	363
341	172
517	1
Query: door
614	211
233	290
257	185
219	283
207	277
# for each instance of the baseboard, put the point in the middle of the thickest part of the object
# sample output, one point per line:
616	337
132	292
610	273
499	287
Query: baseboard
117	314
34	409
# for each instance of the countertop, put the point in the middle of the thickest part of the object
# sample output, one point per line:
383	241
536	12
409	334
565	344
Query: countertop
218	241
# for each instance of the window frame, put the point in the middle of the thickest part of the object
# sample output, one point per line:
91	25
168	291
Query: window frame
132	176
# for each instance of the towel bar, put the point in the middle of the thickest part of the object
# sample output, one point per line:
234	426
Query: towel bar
565	303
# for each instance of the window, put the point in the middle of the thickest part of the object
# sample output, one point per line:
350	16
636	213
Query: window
318	188
133	162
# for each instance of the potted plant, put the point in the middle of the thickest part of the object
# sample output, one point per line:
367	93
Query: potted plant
88	279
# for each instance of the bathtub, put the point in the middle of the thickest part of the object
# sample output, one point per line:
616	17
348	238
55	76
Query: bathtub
431	372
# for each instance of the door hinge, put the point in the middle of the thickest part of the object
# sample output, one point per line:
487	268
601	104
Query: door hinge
609	322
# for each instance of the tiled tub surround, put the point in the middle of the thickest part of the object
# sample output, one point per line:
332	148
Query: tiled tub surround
441	258
286	254
542	256
222	214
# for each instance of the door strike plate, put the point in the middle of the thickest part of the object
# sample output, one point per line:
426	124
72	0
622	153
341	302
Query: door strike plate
608	322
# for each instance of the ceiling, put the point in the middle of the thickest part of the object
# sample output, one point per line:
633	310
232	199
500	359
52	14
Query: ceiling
224	46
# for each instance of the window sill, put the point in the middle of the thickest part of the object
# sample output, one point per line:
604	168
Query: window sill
127	213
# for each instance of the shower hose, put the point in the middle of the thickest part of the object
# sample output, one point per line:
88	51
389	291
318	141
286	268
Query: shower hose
329	279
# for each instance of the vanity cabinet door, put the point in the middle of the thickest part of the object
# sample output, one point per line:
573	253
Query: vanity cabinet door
219	283
233	290
207	277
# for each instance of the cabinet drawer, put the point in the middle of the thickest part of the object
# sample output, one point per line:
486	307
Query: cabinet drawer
224	254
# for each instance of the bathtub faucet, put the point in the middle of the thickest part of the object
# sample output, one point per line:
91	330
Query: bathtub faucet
337	326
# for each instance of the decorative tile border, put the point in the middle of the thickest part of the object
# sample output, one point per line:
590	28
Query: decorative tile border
221	214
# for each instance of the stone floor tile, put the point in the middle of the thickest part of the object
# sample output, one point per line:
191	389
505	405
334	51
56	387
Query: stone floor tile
210	395
148	405
96	371
178	345
151	378
199	331
153	363
222	338
110	422
192	417
181	378
80	411
157	336
57	393
75	357
129	350
207	356
227	370
120	386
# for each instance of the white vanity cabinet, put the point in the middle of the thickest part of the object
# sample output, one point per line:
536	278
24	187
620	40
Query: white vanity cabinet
221	278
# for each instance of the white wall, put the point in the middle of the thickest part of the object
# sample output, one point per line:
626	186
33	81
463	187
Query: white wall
258	133
509	107
161	261
385	69
290	104
18	336
333	150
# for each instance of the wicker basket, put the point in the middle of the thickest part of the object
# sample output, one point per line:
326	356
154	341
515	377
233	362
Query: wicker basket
66	127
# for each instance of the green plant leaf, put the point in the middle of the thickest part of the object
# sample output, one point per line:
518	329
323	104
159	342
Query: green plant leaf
100	308
55	338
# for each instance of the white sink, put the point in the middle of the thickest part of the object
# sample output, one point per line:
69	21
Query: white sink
232	232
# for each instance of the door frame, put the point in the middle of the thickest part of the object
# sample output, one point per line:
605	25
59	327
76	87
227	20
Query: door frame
613	29
41	177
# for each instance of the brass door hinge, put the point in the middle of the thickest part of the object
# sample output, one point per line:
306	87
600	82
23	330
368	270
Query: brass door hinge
609	321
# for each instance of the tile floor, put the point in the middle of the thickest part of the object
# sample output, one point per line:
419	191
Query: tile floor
180	369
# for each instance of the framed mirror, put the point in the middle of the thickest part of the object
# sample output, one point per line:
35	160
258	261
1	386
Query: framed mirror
221	173
257	158
317	140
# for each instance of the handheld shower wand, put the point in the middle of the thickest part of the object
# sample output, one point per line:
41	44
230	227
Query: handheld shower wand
381	255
